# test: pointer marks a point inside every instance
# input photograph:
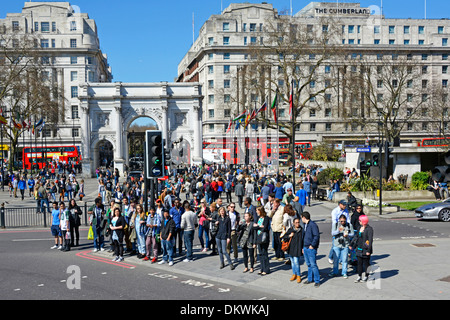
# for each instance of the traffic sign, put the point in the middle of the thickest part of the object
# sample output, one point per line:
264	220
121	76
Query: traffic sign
365	149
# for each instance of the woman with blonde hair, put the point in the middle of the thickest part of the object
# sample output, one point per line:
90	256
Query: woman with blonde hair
139	219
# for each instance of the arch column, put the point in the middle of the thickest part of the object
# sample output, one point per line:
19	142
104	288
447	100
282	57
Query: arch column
118	155
86	162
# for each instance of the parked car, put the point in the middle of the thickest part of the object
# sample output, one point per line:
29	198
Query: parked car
439	210
134	175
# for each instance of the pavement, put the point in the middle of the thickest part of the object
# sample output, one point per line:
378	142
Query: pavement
406	269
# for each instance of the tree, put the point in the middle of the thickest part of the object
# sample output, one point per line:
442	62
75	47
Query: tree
27	89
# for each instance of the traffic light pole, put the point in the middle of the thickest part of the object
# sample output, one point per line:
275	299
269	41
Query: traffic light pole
380	156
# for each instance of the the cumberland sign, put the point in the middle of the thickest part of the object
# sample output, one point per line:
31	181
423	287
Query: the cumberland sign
343	11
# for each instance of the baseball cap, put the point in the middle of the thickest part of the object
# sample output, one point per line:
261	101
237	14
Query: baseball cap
343	202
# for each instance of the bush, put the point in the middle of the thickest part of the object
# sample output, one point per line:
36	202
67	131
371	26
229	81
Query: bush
328	174
393	186
420	180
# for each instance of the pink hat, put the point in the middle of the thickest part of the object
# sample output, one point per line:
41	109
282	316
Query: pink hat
364	219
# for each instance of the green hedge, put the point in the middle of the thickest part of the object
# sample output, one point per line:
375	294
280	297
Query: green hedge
420	180
328	174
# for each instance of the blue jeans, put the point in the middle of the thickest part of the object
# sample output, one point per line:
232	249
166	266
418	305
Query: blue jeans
222	249
310	259
167	247
201	230
340	254
45	201
188	242
140	238
295	264
98	237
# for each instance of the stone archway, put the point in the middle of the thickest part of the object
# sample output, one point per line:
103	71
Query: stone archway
104	154
136	141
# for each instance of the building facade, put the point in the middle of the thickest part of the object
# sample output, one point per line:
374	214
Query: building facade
222	49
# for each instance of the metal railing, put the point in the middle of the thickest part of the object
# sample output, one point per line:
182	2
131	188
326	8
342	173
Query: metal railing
13	217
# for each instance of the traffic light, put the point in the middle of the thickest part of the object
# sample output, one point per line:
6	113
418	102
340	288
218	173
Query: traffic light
375	161
154	154
388	152
363	167
442	173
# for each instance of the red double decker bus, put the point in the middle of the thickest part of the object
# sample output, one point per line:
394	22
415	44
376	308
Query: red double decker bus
434	142
40	156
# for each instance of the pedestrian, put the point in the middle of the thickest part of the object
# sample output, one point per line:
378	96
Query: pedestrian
247	241
262	239
167	231
64	226
176	213
81	191
277	228
139	220
213	228
98	222
302	196
31	183
117	227
22	185
235	219
342	232
341	209
153	234
55	228
311	240
75	222
294	234
223	237
204	213
239	191
362	242
189	222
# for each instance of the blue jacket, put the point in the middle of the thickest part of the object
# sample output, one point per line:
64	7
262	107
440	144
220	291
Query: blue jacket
176	216
22	184
311	235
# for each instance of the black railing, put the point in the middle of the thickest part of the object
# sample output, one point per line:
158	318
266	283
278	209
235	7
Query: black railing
11	217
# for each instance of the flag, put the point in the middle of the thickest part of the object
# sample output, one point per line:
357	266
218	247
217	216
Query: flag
241	116
247	120
3	120
263	107
229	126
42	127
274	107
17	125
291	98
39	123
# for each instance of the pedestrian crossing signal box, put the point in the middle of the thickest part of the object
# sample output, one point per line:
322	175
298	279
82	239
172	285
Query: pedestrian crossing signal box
154	157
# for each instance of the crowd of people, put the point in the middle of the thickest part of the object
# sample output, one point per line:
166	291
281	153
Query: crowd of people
272	216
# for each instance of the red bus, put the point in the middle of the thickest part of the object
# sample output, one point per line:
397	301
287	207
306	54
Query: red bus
45	155
434	142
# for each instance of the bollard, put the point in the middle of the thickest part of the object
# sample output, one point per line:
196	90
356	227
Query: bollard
2	216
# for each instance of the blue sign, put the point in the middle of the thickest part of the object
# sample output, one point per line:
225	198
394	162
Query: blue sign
366	149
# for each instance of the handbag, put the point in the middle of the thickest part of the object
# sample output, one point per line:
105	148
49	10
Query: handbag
285	244
90	234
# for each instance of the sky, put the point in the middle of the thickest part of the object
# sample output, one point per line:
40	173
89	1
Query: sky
146	39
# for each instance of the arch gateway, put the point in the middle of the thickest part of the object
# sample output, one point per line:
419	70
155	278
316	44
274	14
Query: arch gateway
113	115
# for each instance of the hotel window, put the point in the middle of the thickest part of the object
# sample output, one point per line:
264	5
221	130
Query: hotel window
89	60
75	132
391	41
379	84
73	60
74	112
328	112
45	26
226	98
421	42
73	43
211	113
424	97
444	83
253	40
424	126
444	42
444	69
226	113
376	41
327	69
211	99
445	56
409	84
312	127
53	26
440	30
226	69
312	113
226	84
359	29
73	26
44	43
281	113
73	75
226	41
409	97
406	42
351	29
210	84
226	26
211	41
226	56
421	30
424	84
325	28
252	27
245	41
210	69
351	41
36	26
406	29
91	76
376	29
424	57
15	26
210	56
211	128
327	99
391	29
244	27
328	127
53	43
74	92
410	126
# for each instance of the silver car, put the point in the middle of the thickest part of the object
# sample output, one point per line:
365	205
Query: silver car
439	210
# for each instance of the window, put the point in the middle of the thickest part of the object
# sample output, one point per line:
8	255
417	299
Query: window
424	84
327	69
406	42
379	84
211	99
245	41
406	29
421	30
410	126
226	84
45	26
226	56
210	69
328	127
226	113
74	92
210	84
421	42
424	57
226	69
351	29
91	76
44	43
351	41
409	84
440	29
327	98
73	43
211	128
15	26
75	132
210	56
211	113
53	43
312	113
244	27
45	60
424	70
226	98
312	127
424	126
89	60
445	56
391	29
74	112
73	26
53	26
253	40
36	26
444	83
444	69
325	28
424	97
252	27
376	41
444	42
73	60
226	26
391	41
226	41
73	76
211	41
409	97
376	29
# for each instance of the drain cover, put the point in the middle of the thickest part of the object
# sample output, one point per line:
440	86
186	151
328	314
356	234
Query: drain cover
423	245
